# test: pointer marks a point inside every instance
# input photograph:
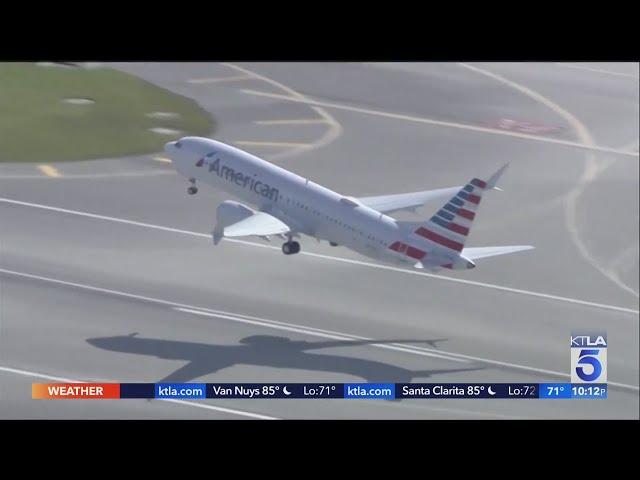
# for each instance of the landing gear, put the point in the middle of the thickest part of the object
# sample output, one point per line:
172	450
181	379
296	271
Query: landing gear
289	248
192	190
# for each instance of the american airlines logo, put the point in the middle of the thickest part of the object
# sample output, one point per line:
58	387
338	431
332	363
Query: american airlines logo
241	179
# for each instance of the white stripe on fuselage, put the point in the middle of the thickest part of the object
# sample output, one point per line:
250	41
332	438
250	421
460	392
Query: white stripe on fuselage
306	206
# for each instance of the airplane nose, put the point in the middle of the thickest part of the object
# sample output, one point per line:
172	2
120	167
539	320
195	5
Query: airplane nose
169	147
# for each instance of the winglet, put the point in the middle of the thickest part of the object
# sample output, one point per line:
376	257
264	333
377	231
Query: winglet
217	234
491	183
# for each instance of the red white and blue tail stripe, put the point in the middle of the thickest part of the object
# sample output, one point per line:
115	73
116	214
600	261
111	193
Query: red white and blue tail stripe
449	227
445	233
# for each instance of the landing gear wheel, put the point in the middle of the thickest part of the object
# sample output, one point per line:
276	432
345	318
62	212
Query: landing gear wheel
289	248
192	190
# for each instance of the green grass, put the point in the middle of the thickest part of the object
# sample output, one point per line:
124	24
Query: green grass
37	126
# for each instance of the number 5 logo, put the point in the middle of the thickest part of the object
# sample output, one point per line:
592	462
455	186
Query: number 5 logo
588	357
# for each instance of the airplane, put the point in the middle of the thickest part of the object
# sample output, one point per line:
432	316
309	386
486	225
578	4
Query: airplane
288	205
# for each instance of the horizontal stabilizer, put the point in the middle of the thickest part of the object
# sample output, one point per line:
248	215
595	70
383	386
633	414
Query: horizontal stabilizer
483	252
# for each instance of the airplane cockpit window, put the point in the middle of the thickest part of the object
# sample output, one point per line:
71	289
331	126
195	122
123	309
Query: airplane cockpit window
178	145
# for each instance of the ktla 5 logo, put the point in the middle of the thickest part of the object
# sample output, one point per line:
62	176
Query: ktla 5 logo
589	358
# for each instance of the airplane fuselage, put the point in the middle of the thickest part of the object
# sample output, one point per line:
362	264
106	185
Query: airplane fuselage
289	205
307	207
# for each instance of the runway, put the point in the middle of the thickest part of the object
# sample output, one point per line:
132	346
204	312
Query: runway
107	271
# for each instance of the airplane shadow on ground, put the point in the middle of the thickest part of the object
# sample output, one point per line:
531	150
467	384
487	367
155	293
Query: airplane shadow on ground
269	351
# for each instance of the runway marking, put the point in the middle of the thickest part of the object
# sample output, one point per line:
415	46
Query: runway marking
162	159
440	123
234	78
26	373
598	70
624	259
592	170
316	332
38	375
250	143
148	173
332	133
49	171
328	257
293	121
275	324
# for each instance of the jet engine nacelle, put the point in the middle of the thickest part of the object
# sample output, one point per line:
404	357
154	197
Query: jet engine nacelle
228	213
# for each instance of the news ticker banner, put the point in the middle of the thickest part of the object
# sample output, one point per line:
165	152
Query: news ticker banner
588	381
381	391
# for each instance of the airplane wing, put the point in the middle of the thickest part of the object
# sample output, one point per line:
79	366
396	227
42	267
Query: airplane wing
482	252
407	201
260	224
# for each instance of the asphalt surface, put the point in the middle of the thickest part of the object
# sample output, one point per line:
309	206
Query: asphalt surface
93	298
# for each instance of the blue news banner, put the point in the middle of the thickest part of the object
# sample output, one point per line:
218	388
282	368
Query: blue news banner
382	391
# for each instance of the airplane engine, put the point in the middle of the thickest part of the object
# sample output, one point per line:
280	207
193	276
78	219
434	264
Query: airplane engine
228	213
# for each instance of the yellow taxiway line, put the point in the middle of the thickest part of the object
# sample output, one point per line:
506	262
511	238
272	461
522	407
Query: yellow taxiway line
249	143
49	171
162	159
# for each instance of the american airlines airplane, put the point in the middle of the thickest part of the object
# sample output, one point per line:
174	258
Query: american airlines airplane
288	205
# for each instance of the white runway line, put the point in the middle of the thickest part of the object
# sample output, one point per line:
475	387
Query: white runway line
89	176
597	70
234	78
272	323
335	259
463	126
44	376
293	121
288	327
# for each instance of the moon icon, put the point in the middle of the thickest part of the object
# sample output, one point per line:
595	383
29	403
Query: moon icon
286	392
491	392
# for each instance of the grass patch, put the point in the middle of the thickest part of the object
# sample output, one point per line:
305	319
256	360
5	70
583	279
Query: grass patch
36	125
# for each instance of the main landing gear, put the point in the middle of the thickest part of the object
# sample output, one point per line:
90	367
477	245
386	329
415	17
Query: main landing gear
290	247
192	190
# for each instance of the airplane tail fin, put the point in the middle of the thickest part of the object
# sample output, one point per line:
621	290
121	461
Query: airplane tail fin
449	227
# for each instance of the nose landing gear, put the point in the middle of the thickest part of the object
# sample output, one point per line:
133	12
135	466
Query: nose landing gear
290	247
192	190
